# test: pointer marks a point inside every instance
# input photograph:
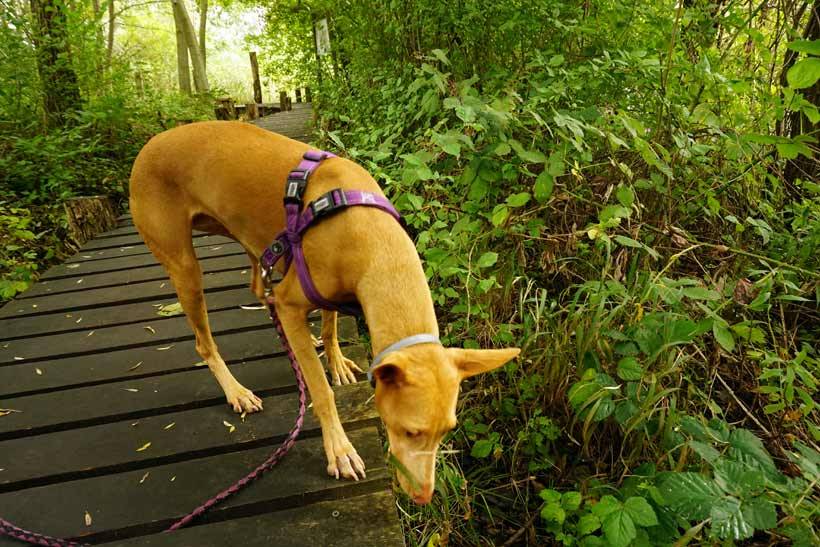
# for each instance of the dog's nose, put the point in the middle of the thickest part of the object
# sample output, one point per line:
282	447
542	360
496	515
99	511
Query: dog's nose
425	496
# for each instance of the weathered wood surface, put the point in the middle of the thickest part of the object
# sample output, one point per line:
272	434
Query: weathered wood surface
94	374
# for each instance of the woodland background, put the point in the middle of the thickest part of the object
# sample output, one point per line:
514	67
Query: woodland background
629	191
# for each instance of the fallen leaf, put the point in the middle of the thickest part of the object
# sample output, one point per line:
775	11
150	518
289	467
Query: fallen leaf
170	310
173	478
169	426
79	281
142	480
38	371
161	285
131	389
135	424
257	307
201	364
230	426
89	334
87	519
150	329
72	266
243	272
215	248
163	348
135	367
34	305
5	346
18	358
86	256
143	447
7	411
78	320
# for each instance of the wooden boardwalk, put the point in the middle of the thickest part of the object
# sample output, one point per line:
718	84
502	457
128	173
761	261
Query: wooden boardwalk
112	429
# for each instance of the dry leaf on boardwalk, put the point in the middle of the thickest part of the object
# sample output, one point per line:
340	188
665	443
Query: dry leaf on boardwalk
142	480
163	348
87	519
230	426
144	447
169	426
135	367
170	310
7	411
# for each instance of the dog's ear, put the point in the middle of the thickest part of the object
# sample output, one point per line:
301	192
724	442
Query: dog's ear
475	361
391	371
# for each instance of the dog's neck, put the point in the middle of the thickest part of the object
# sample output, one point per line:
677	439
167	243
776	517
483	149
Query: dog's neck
396	302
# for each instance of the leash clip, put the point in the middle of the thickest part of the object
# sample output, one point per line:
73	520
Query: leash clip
327	203
295	187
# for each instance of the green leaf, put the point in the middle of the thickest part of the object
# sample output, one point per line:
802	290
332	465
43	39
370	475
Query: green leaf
629	369
640	511
549	495
705	451
812	47
587	524
723	336
804	73
482	448
487	259
690	494
606	505
744	443
500	214
518	200
556	60
544	185
625	195
760	513
571	501
728	521
619	529
700	293
552	512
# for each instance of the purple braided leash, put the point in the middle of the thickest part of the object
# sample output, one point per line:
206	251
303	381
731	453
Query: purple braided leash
15	532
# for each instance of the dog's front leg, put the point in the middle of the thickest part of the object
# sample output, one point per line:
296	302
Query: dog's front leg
342	459
341	368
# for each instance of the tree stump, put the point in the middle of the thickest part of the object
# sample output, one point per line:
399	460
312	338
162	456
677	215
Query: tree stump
283	101
225	109
251	111
88	216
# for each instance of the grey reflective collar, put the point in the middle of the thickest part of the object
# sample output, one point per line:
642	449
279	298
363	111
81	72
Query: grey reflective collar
414	340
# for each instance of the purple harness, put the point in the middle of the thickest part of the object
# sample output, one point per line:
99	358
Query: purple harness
288	243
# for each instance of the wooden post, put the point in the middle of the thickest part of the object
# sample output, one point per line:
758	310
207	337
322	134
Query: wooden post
283	101
251	111
257	86
298	94
225	109
308	96
290	103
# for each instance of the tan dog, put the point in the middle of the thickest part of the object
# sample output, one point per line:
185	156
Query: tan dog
228	178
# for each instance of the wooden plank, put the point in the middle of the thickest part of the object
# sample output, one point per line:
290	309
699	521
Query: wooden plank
213	242
125	277
116	241
369	520
131	503
165	332
96	404
134	261
111	447
80	371
110	296
94	318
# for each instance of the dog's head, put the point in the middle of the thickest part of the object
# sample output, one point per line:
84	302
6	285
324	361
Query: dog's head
416	393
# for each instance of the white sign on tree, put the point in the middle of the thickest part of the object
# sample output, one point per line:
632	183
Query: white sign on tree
322	38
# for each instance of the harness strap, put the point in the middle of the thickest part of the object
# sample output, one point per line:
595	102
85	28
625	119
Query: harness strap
288	242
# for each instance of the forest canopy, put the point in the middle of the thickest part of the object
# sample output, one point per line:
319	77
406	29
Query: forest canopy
630	191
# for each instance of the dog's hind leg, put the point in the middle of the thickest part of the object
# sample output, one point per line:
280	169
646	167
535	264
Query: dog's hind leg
342	369
170	242
342	459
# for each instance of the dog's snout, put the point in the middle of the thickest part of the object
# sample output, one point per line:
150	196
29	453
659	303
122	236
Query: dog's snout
424	497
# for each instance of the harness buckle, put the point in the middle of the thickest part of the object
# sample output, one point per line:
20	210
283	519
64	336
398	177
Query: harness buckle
295	186
328	203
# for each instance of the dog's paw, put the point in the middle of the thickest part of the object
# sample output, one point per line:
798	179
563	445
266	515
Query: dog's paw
243	400
342	369
344	462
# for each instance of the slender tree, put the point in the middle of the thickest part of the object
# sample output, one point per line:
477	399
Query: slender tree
183	69
181	18
203	22
61	92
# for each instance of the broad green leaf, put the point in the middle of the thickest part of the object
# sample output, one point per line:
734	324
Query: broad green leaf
587	524
812	47
552	512
640	511
625	195
478	189
606	505
618	528
804	73
549	495
728	521
487	259
745	443
690	494
518	200
482	448
629	369
500	214
760	513
571	501
723	335
556	60
543	187
700	293
705	451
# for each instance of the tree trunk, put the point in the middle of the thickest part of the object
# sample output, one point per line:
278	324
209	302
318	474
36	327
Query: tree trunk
110	46
61	92
183	70
200	78
88	216
203	21
257	86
